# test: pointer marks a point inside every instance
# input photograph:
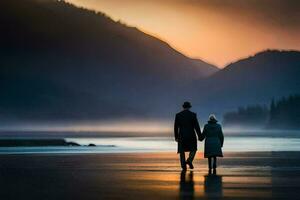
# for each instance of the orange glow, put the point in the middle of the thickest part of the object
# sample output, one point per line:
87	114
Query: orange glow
208	30
122	126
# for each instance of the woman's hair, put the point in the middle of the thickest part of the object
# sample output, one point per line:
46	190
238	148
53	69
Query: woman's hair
212	117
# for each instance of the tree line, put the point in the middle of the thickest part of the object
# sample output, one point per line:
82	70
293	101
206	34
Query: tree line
282	113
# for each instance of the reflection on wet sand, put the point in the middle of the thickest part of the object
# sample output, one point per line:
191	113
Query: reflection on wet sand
213	185
234	179
148	176
186	186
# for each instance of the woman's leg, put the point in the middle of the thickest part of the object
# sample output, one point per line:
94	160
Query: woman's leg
215	162
209	162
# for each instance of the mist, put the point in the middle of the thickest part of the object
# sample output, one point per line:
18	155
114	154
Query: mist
111	128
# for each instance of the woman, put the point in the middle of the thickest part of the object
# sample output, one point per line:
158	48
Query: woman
213	135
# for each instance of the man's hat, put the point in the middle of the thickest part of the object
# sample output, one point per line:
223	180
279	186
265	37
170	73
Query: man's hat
186	105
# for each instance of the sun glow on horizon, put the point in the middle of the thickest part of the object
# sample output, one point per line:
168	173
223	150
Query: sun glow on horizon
129	126
219	32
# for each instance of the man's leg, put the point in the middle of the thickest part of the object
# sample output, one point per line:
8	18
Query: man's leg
191	156
190	159
182	160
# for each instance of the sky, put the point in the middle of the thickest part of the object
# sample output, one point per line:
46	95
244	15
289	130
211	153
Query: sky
216	31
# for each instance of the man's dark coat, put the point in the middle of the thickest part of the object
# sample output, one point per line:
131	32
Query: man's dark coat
185	128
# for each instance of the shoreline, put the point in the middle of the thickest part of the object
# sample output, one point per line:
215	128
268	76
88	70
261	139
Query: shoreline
146	145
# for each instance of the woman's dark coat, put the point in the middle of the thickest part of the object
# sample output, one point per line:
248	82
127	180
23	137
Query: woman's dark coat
185	128
214	139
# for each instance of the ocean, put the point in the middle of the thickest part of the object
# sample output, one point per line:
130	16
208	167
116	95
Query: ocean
255	142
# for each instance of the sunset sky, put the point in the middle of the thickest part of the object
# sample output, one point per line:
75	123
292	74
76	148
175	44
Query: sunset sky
217	31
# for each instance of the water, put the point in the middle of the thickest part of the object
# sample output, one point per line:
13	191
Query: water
160	144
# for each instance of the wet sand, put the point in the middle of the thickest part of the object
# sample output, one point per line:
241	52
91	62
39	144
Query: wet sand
264	175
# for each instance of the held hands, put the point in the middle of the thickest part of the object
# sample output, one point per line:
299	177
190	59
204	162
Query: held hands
201	138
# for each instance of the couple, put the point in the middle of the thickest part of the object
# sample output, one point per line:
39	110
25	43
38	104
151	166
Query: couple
185	126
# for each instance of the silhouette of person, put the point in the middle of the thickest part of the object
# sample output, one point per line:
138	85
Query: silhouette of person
186	189
214	139
213	186
185	126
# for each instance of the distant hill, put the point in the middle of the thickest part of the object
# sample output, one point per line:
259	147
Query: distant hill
58	61
254	80
61	62
208	70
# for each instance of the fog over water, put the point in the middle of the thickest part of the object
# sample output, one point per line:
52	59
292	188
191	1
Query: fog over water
121	128
140	136
124	127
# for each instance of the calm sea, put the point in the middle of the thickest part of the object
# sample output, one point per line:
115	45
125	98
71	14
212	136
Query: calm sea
258	141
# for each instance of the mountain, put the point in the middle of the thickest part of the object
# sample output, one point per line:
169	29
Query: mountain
61	62
250	81
206	69
58	61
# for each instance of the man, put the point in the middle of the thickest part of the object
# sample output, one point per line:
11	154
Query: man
185	126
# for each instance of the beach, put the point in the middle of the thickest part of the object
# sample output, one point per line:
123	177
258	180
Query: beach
247	175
